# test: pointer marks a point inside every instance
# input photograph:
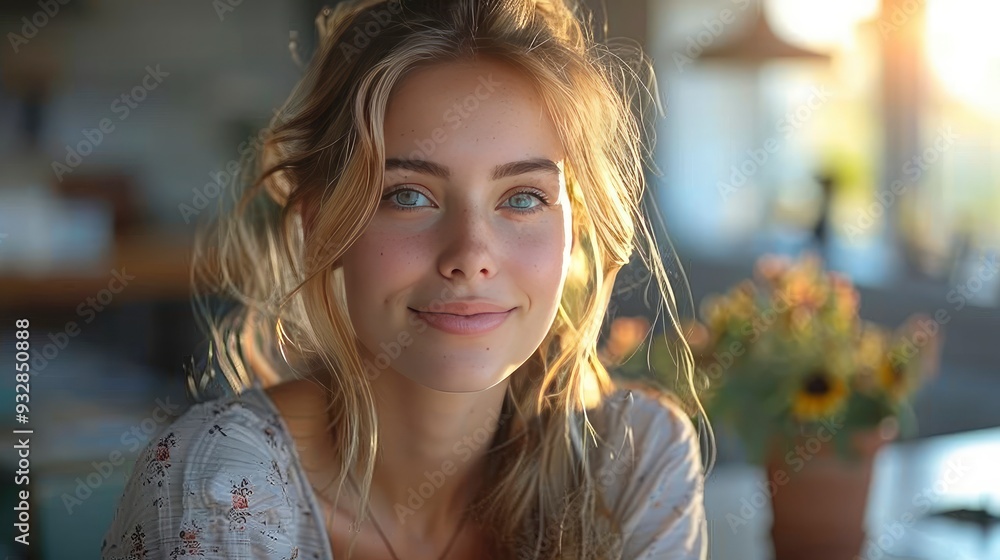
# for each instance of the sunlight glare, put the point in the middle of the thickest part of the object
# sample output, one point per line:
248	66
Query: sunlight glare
963	49
819	24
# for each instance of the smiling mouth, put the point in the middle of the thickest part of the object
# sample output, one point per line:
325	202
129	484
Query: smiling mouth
479	323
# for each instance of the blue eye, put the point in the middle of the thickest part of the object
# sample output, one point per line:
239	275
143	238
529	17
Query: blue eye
410	202
525	196
403	204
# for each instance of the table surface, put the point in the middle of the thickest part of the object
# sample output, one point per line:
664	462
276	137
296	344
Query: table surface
931	474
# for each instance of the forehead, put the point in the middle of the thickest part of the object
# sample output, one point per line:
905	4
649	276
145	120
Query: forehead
468	111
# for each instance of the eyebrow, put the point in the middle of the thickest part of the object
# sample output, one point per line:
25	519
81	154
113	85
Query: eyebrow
499	172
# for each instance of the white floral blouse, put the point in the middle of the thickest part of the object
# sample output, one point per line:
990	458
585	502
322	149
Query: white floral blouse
224	481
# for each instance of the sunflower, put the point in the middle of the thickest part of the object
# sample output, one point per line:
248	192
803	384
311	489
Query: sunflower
820	395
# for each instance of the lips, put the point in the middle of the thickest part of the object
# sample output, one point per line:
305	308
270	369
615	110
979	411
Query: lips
469	307
477	323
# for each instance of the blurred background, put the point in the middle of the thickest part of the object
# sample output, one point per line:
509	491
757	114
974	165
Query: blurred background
867	131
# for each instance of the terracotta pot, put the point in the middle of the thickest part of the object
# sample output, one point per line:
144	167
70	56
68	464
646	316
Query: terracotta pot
819	499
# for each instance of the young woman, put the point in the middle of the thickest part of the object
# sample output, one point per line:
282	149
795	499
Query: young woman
430	244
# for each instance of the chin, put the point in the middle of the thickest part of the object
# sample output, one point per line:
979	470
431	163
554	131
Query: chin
448	380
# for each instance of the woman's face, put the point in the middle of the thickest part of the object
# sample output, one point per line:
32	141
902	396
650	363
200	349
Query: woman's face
458	277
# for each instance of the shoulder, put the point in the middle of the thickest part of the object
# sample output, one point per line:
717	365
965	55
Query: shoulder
212	483
649	471
650	419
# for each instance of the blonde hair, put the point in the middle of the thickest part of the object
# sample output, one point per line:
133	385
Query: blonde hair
316	184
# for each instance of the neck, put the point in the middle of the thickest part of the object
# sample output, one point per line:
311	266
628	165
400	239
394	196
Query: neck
432	453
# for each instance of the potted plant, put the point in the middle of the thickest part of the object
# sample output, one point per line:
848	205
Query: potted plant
812	391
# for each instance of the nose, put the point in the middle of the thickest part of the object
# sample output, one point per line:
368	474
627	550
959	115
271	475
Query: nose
469	245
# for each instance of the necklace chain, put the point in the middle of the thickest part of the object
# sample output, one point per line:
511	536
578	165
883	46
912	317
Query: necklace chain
385	540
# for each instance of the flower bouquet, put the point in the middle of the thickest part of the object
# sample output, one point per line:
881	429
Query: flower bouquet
786	353
784	360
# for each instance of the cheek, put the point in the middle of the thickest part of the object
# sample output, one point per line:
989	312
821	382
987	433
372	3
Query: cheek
386	253
540	260
378	265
